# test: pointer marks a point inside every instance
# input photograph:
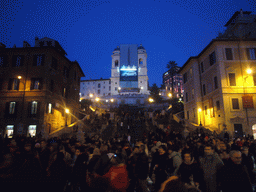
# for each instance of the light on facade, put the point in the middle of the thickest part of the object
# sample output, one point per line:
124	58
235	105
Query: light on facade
112	100
106	100
67	110
91	95
151	100
19	77
97	99
141	88
119	88
169	95
199	110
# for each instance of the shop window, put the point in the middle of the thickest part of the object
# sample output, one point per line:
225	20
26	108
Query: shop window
9	131
32	130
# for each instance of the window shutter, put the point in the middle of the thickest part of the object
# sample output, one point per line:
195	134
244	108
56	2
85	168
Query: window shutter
41	83
38	110
42	64
29	109
14	59
7	105
10	84
35	60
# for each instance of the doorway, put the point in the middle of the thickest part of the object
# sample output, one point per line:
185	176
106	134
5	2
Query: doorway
238	128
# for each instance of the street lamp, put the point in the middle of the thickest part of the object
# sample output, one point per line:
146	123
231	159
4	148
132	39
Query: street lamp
112	100
151	100
91	95
200	110
97	99
169	95
23	100
249	71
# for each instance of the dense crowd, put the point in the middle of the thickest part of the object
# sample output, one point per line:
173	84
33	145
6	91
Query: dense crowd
171	160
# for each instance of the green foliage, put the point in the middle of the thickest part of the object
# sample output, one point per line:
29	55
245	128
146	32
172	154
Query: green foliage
154	93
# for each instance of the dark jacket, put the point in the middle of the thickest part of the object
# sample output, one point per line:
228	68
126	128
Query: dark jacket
103	165
248	162
234	177
142	166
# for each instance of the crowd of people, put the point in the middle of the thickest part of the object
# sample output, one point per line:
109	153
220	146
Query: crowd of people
161	160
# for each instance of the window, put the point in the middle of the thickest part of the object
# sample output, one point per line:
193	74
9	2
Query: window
212	58
251	53
34	108
12	107
229	55
14	84
64	92
99	85
36	83
190	72
204	91
54	63
98	91
109	88
188	114
3	61
52	86
186	97
115	82
202	67
185	78
38	60
115	88
116	63
235	103
232	79
65	72
49	108
205	110
103	87
109	82
17	61
215	82
141	61
218	105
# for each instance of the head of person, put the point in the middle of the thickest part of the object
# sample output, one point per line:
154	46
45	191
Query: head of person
173	184
162	149
236	156
187	156
245	150
208	149
43	144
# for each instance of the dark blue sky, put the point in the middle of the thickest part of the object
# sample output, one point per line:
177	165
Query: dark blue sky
90	30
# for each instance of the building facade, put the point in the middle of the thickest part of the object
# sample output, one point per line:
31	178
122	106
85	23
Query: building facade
129	70
91	89
220	83
177	84
39	86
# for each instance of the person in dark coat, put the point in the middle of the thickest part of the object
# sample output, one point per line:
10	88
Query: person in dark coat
234	176
189	171
159	161
247	160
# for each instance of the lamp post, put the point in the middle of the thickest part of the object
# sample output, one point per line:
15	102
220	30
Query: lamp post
200	110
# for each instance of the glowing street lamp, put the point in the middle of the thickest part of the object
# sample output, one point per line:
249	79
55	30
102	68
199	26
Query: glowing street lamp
119	88
67	110
91	95
97	99
19	77
112	100
169	95
151	100
249	71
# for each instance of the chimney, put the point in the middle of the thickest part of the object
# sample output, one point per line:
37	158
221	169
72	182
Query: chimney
36	42
26	44
2	45
241	13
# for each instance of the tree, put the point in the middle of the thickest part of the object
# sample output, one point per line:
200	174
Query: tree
172	67
154	92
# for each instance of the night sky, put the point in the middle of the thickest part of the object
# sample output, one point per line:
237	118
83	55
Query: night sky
90	30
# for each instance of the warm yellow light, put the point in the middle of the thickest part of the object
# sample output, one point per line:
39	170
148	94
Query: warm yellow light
151	100
169	95
19	77
97	99
249	71
91	95
141	88
160	94
106	100
199	109
119	88
67	110
112	100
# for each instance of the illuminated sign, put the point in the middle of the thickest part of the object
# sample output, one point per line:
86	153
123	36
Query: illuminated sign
128	73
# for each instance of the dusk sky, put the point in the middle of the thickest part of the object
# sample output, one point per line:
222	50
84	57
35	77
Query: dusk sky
90	30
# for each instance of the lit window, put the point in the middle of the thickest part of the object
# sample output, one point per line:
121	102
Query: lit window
34	108
49	108
12	107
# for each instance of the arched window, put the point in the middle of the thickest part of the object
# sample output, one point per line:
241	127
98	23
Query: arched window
116	63
141	61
